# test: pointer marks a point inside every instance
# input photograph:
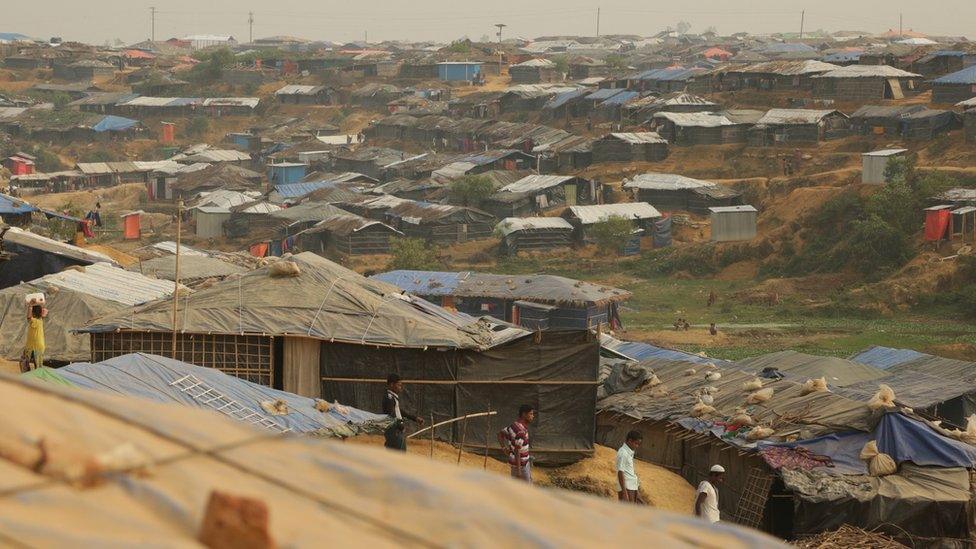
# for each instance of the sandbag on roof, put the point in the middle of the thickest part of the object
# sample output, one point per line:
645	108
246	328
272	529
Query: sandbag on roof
314	490
152	377
325	301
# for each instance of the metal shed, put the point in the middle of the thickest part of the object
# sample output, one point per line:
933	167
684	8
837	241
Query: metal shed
733	223
210	221
874	165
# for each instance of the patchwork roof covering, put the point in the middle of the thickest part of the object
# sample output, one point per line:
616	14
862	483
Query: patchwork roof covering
304	481
795	116
192	267
695	119
620	98
75	297
326	301
639	351
588	215
867	71
787	68
224	199
665	182
511	225
838	371
537	288
152	377
346	224
532	183
886	111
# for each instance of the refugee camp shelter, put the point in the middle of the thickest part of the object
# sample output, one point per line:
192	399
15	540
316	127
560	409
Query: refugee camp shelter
440	223
733	223
161	379
669	192
534	71
630	147
773	75
74	297
284	173
304	95
349	234
329	332
698	128
458	71
880	120
203	463
782	126
33	256
803	475
534	234
874	164
210	221
536	302
536	193
641	215
955	87
865	83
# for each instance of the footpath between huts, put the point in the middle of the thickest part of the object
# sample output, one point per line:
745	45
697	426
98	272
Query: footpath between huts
594	475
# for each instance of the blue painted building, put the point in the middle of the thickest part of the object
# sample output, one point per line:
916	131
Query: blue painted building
458	71
285	173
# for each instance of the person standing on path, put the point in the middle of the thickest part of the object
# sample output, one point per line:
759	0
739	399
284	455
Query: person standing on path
706	502
394	434
626	474
515	440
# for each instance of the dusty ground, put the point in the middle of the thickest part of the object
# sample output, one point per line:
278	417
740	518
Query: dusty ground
594	475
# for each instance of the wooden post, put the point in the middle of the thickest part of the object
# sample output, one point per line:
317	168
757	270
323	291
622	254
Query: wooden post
176	278
464	434
487	437
432	435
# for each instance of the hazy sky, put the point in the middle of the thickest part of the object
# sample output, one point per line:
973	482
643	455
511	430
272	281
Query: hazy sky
95	21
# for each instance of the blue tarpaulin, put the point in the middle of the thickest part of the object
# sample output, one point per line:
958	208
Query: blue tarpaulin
151	377
662	232
901	437
562	98
112	123
886	357
12	206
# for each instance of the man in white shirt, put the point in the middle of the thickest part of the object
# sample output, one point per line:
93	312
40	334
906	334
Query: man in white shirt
706	504
626	474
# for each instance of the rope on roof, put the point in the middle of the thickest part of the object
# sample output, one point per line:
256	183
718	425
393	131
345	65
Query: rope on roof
311	323
375	313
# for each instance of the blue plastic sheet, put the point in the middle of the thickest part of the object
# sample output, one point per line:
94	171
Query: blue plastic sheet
112	123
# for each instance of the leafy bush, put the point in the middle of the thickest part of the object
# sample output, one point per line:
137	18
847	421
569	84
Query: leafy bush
470	190
412	254
198	126
211	66
612	234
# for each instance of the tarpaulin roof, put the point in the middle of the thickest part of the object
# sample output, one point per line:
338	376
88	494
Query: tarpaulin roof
886	357
665	182
639	351
35	241
510	225
867	71
695	119
838	371
192	267
14	206
537	288
75	297
297	190
965	76
588	215
326	301
113	123
313	489
604	94
152	377
620	98
795	116
563	98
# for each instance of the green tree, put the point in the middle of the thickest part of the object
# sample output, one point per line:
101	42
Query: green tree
212	65
412	254
562	63
611	234
198	126
615	61
875	247
470	190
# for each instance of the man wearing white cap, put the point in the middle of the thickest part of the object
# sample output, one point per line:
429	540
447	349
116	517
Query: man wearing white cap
706	504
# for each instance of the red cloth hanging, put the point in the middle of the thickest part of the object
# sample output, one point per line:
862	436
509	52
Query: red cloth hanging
936	224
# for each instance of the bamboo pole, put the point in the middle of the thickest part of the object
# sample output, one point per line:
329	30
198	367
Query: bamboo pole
488	435
464	434
432	435
176	278
445	422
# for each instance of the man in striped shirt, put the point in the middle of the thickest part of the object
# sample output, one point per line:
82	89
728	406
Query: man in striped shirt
515	440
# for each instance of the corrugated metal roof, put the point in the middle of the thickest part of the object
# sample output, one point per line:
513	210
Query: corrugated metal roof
732	209
695	119
250	102
665	182
788	68
794	116
510	225
296	190
104	281
217	155
589	215
886	357
965	76
540	63
886	152
224	199
867	71
639	138
536	183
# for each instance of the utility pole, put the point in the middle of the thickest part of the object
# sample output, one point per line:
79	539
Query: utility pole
499	33
366	37
598	22
250	24
152	33
176	281
901	25
803	16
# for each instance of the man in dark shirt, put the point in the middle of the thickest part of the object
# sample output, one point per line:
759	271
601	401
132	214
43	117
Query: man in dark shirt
395	437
